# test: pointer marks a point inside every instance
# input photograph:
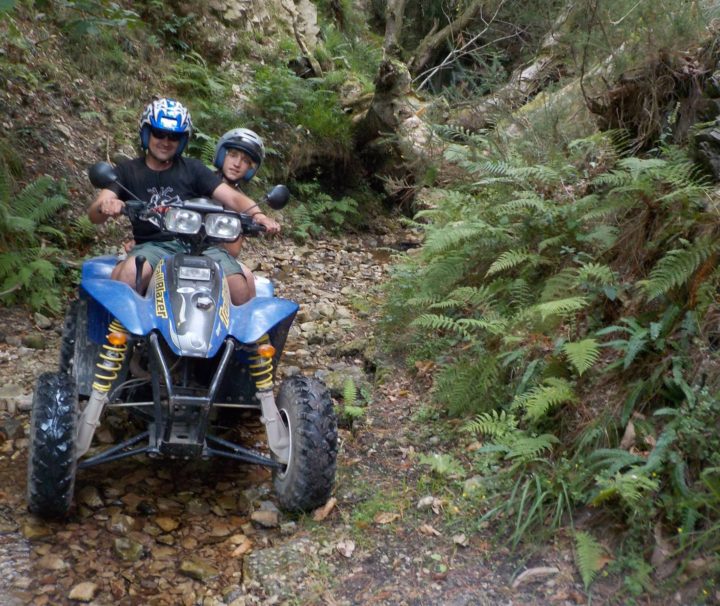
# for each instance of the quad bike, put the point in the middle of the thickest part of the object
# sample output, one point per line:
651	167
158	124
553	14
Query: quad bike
183	360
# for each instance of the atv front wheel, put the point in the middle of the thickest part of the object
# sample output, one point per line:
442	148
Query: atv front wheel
67	343
51	461
307	411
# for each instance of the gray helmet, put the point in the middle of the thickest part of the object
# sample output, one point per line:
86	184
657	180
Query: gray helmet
245	140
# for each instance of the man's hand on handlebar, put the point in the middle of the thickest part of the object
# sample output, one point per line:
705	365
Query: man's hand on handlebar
111	207
271	226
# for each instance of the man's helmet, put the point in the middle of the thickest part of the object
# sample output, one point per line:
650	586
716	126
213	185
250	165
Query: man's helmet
245	140
169	115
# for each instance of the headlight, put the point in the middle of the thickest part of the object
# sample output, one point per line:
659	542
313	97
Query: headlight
183	221
225	227
194	273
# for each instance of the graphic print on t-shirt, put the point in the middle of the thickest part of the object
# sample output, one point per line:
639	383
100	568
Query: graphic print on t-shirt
163	197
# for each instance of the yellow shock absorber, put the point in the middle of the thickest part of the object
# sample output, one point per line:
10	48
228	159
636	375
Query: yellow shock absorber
261	367
111	357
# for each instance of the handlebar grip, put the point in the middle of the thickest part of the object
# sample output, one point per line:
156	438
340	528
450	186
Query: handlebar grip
254	228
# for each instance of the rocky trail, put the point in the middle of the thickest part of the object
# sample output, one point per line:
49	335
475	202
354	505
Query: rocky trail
145	532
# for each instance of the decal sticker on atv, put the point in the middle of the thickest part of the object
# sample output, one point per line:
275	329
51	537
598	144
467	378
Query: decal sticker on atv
160	308
225	307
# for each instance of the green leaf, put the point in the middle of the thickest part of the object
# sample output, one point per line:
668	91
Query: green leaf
583	354
588	556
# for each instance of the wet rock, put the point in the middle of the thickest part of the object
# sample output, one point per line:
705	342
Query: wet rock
146	508
52	562
121	523
90	497
167	524
83	592
10	428
128	550
34	341
33	531
266	519
227	502
198	570
197	507
335	379
42	322
9	395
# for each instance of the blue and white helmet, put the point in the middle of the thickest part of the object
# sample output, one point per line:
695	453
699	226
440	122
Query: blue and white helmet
245	140
169	115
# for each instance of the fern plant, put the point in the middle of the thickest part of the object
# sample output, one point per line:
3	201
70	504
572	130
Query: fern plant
589	556
29	256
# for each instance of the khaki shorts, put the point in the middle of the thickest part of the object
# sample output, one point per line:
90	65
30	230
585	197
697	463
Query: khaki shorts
154	251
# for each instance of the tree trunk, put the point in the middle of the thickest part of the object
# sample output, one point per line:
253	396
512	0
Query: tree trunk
434	39
393	27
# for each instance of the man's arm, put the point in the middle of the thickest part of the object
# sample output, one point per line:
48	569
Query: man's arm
106	205
239	202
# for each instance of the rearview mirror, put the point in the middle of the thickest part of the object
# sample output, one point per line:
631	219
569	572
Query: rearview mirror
278	197
102	175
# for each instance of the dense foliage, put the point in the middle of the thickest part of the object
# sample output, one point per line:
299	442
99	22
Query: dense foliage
563	302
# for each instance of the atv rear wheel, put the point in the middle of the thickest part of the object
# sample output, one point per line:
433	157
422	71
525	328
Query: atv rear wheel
307	411
51	460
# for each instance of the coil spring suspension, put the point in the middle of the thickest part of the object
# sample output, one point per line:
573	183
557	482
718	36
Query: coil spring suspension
261	368
111	357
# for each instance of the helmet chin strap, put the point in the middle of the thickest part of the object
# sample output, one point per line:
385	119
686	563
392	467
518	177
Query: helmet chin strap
233	182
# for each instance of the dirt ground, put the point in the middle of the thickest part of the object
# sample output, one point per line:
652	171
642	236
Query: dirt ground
152	532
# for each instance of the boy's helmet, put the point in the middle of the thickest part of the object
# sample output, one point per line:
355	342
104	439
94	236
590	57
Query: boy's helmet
166	114
245	140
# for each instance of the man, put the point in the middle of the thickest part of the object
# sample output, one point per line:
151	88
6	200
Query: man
161	176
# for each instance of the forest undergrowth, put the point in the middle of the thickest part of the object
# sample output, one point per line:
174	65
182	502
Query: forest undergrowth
569	309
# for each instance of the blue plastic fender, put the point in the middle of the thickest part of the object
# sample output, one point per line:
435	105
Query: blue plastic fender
250	321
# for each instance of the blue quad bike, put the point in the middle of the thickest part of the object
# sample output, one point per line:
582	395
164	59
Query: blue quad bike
185	362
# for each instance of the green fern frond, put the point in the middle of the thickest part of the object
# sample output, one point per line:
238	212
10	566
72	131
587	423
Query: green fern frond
525	448
452	236
423	300
677	267
522	203
598	273
560	307
349	392
588	556
494	325
492	424
19	225
512	258
470	386
541	399
521	294
439	323
562	283
476	296
47	208
582	354
631	486
602	236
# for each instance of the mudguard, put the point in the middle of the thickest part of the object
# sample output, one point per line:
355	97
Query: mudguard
246	323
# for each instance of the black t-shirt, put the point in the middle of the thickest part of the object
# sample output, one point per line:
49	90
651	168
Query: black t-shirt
186	178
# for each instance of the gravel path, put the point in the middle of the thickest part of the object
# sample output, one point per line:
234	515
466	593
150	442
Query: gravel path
152	533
